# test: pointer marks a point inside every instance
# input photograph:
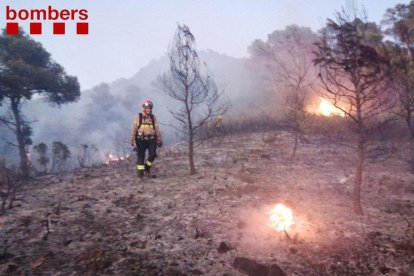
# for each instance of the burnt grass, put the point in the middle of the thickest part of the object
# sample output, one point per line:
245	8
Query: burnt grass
105	221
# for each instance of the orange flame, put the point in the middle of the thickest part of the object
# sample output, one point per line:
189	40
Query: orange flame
326	108
281	217
112	158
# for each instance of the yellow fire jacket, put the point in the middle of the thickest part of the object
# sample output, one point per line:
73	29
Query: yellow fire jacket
146	129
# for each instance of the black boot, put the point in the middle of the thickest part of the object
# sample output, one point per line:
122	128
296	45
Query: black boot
140	173
148	172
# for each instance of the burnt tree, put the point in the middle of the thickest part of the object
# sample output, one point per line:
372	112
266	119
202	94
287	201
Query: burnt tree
197	97
354	78
287	57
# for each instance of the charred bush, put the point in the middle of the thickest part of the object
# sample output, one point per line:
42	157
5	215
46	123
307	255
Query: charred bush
10	182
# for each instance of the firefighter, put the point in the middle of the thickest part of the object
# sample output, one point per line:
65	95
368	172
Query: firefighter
218	126
145	135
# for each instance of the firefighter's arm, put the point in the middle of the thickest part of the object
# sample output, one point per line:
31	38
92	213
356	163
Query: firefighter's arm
158	132
134	132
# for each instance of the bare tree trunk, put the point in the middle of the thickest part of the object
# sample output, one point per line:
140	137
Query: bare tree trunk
358	178
411	143
191	149
298	116
295	145
20	138
191	157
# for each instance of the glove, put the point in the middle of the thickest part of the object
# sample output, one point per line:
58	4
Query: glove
159	143
135	147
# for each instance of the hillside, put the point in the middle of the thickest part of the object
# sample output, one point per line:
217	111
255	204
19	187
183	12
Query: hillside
105	221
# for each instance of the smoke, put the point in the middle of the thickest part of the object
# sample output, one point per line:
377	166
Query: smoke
104	115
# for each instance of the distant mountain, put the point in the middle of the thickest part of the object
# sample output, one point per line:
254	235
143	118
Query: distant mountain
232	75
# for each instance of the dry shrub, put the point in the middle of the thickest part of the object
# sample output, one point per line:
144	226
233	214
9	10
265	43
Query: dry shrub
326	126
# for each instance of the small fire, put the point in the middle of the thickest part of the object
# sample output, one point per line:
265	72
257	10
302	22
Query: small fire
281	217
328	109
112	158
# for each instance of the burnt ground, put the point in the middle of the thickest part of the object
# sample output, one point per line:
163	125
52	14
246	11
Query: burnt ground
105	221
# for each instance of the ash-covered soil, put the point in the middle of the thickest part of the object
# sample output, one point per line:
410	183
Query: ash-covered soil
105	221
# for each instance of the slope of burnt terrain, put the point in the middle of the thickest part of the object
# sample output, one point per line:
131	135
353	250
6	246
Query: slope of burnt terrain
105	221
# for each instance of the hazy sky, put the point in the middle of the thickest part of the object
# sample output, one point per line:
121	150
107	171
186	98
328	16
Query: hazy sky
124	35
